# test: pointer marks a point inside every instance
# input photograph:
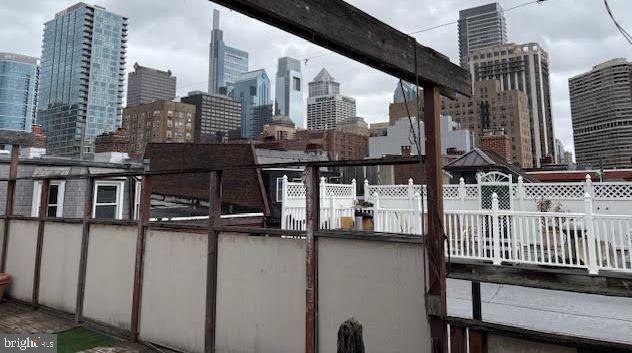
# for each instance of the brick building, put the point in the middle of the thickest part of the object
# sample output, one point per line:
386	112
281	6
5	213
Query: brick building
116	141
498	142
159	121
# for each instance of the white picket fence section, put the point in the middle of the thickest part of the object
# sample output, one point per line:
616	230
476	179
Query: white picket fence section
607	197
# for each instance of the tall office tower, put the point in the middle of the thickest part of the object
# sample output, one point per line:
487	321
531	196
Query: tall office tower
216	116
252	89
407	95
479	27
146	85
19	76
225	63
289	91
82	78
559	151
491	109
326	107
524	67
601	111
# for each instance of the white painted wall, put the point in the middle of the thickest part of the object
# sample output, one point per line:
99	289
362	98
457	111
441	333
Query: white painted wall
61	251
21	258
501	344
174	290
110	274
379	284
260	294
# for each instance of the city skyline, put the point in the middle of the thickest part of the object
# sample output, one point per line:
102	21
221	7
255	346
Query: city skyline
183	48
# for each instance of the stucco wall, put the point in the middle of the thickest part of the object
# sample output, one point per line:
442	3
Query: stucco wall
260	295
174	290
379	284
21	258
61	251
500	344
110	274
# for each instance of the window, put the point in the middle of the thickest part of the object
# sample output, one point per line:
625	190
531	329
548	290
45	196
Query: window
296	83
136	199
279	189
108	199
55	199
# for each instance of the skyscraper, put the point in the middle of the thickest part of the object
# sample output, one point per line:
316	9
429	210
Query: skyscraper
523	67
225	63
325	105
479	27
289	91
82	78
252	89
216	116
601	110
146	85
19	76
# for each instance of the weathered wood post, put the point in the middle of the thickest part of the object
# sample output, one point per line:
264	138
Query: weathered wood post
41	215
312	195
85	239
214	219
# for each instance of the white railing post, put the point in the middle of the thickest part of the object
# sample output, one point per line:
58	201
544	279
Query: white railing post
593	269
497	258
462	193
377	224
411	194
284	203
588	187
520	193
367	196
417	216
332	213
353	191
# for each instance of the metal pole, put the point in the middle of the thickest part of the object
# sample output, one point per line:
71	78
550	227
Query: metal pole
143	218
312	193
214	219
8	210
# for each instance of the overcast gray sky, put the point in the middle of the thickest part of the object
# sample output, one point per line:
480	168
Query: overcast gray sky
174	34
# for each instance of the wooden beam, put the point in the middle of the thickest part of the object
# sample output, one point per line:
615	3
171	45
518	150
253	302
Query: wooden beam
8	210
41	214
588	344
457	339
477	312
215	212
83	257
143	218
312	196
436	296
476	341
578	281
10	137
348	31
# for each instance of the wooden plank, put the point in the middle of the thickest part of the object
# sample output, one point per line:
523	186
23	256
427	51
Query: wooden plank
11	137
312	195
587	344
8	210
42	212
476	301
436	295
457	340
578	281
476	341
215	212
143	218
83	257
348	31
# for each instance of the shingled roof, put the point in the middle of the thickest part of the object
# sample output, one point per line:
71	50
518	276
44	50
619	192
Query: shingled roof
479	160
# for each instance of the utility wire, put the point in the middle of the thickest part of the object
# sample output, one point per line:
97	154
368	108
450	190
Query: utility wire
622	30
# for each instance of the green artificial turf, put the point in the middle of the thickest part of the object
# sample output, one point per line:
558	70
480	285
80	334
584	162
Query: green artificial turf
80	338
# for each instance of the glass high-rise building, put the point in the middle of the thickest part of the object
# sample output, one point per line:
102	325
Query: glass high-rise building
18	91
82	78
226	63
323	84
289	91
479	27
252	89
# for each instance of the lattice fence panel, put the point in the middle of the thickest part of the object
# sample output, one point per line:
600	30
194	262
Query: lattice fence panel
450	191
612	191
554	191
389	192
339	190
295	190
471	192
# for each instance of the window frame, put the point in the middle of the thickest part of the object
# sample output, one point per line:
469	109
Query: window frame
137	185
120	196
37	196
279	188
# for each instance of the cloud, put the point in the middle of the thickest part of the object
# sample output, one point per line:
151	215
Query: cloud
174	34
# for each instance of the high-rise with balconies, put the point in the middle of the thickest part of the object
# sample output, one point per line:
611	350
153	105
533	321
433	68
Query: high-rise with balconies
18	91
601	110
82	78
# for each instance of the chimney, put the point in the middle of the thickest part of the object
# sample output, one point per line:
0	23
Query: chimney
496	141
405	151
